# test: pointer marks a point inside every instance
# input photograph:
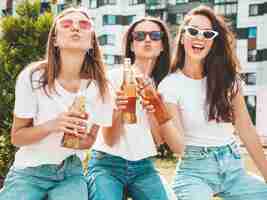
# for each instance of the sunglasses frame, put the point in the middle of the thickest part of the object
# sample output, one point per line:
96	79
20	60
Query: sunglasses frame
200	32
135	35
89	25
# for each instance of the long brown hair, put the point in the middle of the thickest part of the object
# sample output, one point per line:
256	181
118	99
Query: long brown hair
221	65
92	67
162	64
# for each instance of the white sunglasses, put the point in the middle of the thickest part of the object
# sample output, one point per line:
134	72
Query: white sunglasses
194	32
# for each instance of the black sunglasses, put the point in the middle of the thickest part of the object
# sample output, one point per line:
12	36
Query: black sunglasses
153	35
194	32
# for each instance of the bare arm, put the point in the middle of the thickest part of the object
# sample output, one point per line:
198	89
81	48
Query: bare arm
24	133
155	130
248	134
112	134
172	131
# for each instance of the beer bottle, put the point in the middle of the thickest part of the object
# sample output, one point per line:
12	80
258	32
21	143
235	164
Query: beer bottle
149	93
129	89
71	141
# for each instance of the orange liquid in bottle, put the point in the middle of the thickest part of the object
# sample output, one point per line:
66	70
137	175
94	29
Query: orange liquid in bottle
149	93
129	89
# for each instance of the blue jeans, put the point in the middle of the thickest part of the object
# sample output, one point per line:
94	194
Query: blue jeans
205	171
109	176
57	182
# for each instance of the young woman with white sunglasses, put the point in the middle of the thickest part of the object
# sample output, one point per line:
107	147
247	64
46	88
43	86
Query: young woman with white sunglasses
206	88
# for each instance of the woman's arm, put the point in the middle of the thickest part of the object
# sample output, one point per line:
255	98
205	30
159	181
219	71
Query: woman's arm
248	133
24	133
171	131
112	134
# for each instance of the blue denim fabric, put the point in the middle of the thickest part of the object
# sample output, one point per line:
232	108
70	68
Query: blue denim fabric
109	175
57	182
205	171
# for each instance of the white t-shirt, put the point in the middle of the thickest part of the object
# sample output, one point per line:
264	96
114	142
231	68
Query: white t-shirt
34	103
137	141
190	95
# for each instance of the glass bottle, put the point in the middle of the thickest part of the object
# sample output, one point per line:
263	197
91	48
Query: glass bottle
129	89
149	93
71	141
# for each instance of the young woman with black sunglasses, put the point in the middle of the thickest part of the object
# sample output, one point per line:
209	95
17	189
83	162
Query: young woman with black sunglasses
122	154
205	87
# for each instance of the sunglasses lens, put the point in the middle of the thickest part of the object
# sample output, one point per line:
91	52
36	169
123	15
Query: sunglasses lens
192	31
66	23
139	35
209	34
84	24
155	35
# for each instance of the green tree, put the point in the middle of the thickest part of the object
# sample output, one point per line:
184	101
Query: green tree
23	40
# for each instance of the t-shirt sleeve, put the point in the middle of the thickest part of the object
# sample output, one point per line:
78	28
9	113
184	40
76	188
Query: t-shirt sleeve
25	97
165	88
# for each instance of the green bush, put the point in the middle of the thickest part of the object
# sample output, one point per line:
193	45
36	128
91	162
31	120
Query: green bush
23	40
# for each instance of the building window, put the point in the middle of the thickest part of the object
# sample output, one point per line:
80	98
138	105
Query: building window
181	1
109	59
109	19
153	2
117	19
60	7
117	59
226	9
224	1
92	3
106	40
252	55
179	18
130	19
253	9
135	2
112	2
252	32
106	2
249	78
251	102
112	59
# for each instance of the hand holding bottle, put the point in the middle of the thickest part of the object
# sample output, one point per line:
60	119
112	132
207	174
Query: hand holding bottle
121	101
152	99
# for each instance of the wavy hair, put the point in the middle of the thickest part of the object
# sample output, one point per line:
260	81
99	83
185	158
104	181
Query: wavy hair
221	65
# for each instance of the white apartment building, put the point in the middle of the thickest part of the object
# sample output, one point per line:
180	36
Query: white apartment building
252	52
111	17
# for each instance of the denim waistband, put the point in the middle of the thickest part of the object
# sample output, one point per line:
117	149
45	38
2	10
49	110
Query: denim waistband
224	148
